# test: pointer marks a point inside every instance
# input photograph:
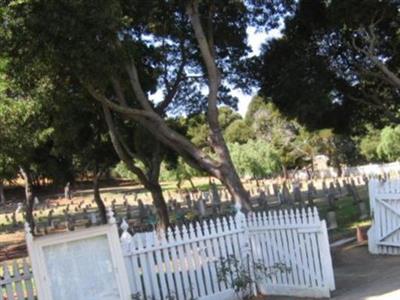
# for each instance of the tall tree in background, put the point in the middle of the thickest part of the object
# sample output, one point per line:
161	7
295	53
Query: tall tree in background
24	135
336	65
119	51
82	137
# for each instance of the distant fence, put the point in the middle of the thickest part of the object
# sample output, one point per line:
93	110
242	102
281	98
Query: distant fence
184	263
372	169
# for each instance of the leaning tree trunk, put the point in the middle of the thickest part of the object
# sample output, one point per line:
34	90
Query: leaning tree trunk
29	200
192	184
229	177
2	196
159	204
97	198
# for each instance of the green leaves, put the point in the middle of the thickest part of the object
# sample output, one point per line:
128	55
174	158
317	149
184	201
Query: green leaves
255	158
389	145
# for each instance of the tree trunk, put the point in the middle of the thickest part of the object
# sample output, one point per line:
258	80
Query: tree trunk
98	200
192	184
160	205
339	168
232	181
285	172
29	199
2	196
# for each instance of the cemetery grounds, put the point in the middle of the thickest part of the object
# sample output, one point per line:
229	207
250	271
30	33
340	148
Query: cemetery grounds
131	202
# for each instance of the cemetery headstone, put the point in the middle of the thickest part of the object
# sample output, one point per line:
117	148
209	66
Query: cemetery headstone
338	187
262	200
14	219
50	218
331	197
297	194
286	194
324	188
67	191
215	199
19	207
93	218
188	200
331	220
71	223
201	207
275	188
352	189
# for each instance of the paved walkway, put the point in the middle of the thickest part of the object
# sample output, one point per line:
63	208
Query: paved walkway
362	276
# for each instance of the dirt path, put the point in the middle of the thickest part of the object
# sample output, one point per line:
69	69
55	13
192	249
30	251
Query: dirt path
362	276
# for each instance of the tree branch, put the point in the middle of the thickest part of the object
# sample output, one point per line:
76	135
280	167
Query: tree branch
158	127
119	149
370	38
137	87
171	91
214	78
119	91
134	113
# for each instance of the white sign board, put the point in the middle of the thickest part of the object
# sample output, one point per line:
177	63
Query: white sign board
82	265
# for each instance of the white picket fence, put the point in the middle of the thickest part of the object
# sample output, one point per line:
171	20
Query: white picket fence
384	234
184	264
16	281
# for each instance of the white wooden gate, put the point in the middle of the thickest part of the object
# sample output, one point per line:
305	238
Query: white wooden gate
184	264
300	241
384	234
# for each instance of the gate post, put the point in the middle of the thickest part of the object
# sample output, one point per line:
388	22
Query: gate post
372	235
245	243
327	266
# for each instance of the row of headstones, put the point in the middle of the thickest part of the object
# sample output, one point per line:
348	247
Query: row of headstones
214	197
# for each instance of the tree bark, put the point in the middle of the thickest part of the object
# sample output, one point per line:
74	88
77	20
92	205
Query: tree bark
29	199
97	198
235	187
192	184
160	205
285	172
2	196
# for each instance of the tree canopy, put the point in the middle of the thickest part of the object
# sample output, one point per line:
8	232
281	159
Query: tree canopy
122	51
336	65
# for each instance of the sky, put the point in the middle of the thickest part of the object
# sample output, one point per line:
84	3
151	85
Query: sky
255	40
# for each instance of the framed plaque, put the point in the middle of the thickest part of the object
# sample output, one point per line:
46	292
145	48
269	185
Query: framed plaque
81	265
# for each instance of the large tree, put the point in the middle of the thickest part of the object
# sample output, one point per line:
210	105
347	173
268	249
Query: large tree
120	51
337	64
